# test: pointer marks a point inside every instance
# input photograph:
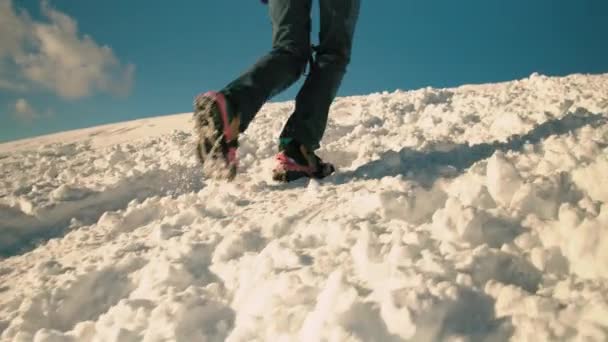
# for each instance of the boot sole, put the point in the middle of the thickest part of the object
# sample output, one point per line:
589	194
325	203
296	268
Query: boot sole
211	147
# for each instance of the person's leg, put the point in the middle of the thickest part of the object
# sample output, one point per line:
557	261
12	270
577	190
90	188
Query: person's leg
281	67
307	124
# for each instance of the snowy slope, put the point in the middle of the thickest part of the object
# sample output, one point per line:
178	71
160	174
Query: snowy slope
470	214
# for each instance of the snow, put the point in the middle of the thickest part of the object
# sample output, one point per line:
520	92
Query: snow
465	214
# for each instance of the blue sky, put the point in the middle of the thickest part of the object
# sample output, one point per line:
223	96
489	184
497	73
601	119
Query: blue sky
68	64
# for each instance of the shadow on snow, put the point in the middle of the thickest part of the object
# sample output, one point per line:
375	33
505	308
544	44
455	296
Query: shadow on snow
22	232
427	166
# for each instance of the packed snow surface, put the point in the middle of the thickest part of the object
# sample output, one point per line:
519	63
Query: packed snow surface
478	213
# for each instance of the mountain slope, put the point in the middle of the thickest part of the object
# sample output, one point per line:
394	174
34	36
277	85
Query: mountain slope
479	212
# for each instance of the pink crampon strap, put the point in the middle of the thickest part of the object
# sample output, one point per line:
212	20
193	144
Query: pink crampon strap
232	158
289	164
220	99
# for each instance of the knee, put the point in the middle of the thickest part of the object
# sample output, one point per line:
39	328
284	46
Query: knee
335	59
296	56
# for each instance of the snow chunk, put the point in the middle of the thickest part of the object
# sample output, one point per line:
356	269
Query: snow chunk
489	264
69	193
593	179
503	180
586	246
471	190
237	244
540	197
471	226
336	299
459	224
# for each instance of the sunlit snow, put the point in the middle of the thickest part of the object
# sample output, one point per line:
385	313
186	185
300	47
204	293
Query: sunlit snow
478	213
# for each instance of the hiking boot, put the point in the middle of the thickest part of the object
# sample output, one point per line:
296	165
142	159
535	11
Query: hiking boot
217	133
294	161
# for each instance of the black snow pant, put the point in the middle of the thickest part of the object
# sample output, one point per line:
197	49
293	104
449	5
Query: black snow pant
287	61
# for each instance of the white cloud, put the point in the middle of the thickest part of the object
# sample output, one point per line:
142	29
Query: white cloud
24	111
55	56
14	30
12	86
